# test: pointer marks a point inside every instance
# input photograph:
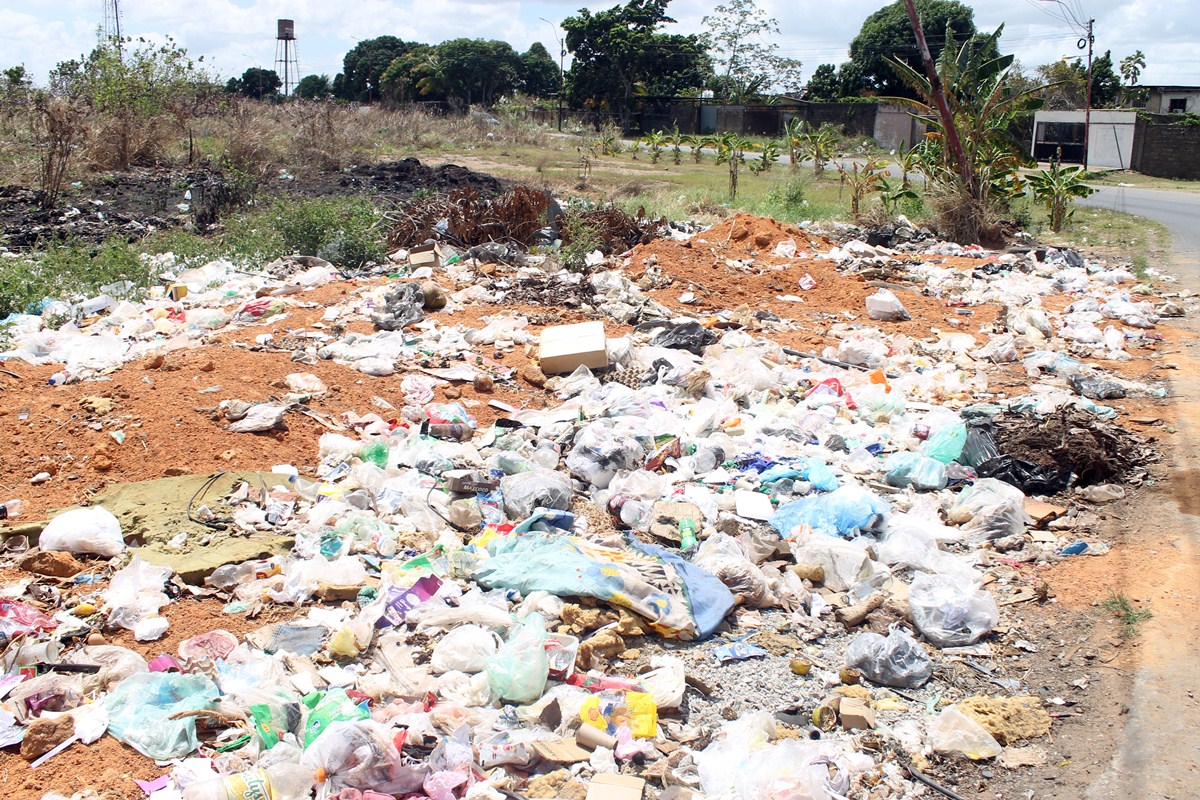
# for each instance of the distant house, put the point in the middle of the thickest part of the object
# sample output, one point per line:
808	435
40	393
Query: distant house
1170	99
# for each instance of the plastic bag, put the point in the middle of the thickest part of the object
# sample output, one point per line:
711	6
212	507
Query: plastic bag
989	509
666	681
884	306
537	488
893	660
690	336
1030	478
329	708
519	670
839	513
361	755
950	611
844	563
136	592
600	453
464	649
955	732
84	530
140	708
913	469
945	444
722	556
980	445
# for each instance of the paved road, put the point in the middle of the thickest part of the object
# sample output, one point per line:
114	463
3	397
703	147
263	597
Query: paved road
1179	211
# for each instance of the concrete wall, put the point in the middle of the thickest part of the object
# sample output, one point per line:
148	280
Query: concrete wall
1165	150
895	126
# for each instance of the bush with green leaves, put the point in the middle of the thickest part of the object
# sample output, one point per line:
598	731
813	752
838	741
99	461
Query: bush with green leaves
345	231
73	270
1056	188
580	237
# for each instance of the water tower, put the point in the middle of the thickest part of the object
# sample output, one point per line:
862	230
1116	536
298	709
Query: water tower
286	66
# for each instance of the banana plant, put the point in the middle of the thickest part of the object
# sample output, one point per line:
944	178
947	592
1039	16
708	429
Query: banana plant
819	145
1057	188
677	140
731	150
863	180
769	155
891	194
695	144
655	141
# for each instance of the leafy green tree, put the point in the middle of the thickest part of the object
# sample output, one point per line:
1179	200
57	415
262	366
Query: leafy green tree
1106	84
478	70
256	82
1131	70
887	34
539	74
740	37
314	87
824	84
620	51
982	105
1067	82
365	64
400	82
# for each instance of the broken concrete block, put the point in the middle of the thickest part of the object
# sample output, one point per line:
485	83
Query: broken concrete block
856	714
564	348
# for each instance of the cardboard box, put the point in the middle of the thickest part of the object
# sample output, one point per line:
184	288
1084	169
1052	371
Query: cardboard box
616	787
564	348
856	714
426	254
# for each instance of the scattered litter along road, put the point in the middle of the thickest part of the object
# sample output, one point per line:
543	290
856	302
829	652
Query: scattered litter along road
776	514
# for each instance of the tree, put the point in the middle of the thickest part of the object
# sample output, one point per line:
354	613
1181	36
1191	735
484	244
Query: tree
365	64
983	105
824	84
887	34
314	87
1106	84
256	82
1131	70
478	70
401	81
539	74
619	50
1067	81
739	35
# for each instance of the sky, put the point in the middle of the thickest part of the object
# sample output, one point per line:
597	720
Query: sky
233	35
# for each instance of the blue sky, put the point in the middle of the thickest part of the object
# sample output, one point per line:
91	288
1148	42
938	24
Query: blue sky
236	34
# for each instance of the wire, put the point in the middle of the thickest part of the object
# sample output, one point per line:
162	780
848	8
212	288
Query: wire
216	524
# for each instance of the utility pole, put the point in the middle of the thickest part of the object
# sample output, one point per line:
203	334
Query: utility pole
562	74
939	99
1087	109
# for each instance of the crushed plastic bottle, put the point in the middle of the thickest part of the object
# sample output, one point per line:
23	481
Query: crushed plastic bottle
278	782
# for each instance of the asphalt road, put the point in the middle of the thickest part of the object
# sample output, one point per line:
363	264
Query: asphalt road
1179	211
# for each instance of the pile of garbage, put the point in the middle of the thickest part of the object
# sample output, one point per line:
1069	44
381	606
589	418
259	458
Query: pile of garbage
714	566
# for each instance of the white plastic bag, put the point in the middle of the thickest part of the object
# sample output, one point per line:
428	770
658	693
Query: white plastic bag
84	530
884	306
464	649
950	611
955	732
666	682
893	660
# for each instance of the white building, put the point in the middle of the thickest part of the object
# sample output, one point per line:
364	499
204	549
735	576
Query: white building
1109	137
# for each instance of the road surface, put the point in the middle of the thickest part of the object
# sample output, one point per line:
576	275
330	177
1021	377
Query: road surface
1179	211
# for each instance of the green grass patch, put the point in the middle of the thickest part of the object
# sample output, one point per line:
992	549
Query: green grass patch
72	270
1128	615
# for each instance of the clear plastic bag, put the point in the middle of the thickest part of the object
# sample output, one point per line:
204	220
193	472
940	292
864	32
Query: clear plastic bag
989	509
955	732
84	530
893	660
537	488
519	670
464	649
361	755
600	453
722	556
141	706
886	307
950	611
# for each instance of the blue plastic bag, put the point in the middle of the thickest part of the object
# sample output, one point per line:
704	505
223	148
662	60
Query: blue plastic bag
842	512
139	712
913	469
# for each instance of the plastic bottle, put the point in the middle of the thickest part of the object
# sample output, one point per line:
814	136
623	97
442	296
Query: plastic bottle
13	508
687	533
629	512
377	453
277	782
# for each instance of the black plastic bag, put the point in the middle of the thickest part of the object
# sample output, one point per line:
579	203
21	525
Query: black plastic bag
690	336
1028	477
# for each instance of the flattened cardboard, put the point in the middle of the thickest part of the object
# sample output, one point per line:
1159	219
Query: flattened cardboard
561	751
616	787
